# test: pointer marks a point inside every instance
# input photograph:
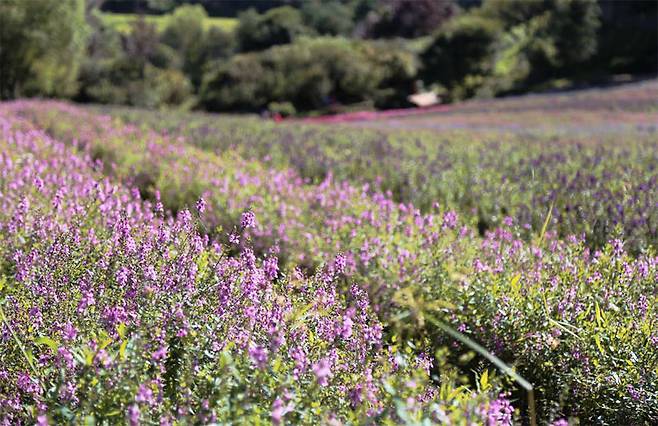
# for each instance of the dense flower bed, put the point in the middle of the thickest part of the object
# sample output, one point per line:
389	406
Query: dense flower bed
590	158
113	311
578	322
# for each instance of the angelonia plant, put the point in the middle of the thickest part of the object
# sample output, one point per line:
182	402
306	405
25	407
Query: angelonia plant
114	311
220	289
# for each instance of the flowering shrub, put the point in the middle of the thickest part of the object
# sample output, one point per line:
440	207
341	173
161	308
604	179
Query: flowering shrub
113	311
351	276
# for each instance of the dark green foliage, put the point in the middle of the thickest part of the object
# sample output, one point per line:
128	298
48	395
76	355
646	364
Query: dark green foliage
512	44
277	26
185	33
328	17
463	49
628	38
238	84
563	32
41	46
467	48
135	70
410	18
310	74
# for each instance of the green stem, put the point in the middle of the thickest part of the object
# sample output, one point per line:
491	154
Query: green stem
495	361
18	341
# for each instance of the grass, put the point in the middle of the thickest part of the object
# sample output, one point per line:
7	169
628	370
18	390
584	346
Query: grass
122	21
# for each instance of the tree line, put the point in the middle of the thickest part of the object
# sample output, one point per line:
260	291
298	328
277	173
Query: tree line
317	56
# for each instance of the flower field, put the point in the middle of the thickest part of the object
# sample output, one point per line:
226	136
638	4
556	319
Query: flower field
174	268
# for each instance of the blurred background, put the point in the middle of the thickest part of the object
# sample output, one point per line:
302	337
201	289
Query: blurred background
309	57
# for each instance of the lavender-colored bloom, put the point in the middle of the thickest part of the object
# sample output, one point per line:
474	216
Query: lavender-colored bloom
279	410
322	371
159	354
144	395
133	415
248	220
201	205
340	263
271	267
450	220
500	412
258	355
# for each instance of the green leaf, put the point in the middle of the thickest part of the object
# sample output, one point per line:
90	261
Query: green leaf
89	356
122	349
516	286
121	330
52	344
597	339
484	380
600	316
545	226
105	343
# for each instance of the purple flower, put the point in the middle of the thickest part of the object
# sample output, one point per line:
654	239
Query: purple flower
248	220
271	267
633	392
144	394
27	384
450	220
258	355
159	354
69	332
201	205
322	371
500	412
340	263
65	357
279	410
346	330
133	415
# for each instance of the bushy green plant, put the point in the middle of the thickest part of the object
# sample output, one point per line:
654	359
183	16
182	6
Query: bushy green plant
328	17
511	44
461	54
186	33
41	48
409	18
280	25
113	311
311	73
285	109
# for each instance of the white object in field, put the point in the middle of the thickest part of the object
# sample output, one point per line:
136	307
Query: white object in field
424	99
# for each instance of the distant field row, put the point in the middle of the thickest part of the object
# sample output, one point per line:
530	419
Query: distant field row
485	159
122	21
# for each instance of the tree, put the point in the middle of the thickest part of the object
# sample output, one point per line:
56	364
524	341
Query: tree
41	46
186	33
462	50
565	31
507	45
141	45
310	74
411	18
280	25
328	17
